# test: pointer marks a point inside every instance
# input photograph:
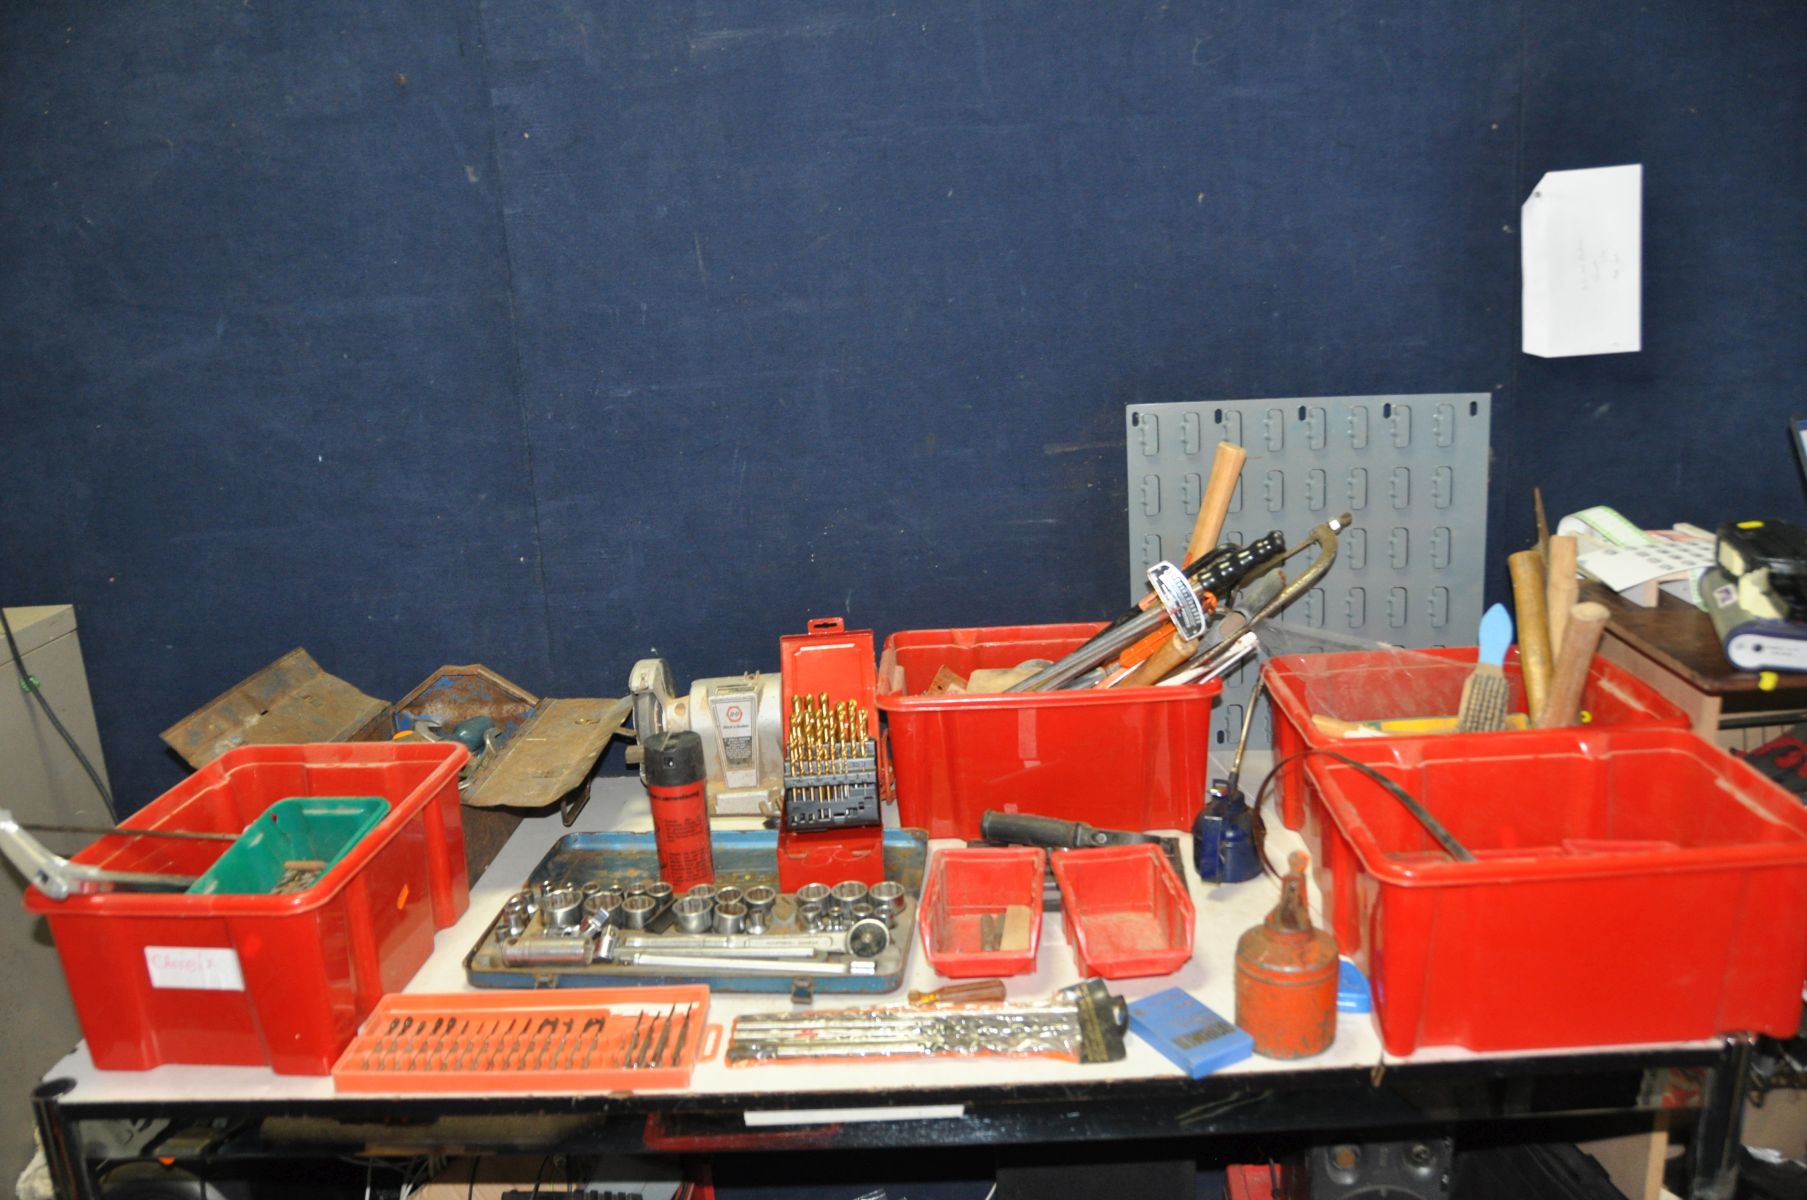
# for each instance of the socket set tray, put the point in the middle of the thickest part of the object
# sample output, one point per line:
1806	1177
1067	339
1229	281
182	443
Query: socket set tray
597	1041
745	860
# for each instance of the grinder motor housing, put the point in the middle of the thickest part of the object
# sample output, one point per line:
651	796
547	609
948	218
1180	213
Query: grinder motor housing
740	719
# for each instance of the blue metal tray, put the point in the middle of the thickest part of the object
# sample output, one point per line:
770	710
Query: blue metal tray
741	860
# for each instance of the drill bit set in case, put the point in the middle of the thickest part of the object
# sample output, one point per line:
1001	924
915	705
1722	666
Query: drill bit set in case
594	1041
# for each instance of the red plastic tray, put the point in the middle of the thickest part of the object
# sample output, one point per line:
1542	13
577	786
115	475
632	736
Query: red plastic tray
1630	886
1126	915
254	980
1368	686
568	1040
965	884
1122	758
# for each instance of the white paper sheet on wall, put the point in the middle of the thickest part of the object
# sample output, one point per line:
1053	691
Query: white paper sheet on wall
1582	254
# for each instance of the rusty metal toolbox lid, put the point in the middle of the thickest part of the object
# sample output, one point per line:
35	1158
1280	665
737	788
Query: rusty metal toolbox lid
290	702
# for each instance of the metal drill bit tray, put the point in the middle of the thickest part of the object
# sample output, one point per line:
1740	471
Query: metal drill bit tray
743	860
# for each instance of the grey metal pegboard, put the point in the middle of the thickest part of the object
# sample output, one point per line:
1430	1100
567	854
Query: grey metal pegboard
1412	470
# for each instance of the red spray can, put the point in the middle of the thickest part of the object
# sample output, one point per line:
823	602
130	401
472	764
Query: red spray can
674	782
1286	974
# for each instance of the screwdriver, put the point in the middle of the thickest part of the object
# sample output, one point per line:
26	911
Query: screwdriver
979	991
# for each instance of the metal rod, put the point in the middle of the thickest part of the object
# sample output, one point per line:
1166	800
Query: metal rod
122	831
772	966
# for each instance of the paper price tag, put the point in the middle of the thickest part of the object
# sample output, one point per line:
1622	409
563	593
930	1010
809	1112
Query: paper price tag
1178	598
197	968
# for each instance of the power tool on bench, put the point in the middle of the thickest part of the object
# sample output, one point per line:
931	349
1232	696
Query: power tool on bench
740	718
1756	594
799	745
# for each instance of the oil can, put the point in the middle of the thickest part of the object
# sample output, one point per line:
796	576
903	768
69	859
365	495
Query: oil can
1286	976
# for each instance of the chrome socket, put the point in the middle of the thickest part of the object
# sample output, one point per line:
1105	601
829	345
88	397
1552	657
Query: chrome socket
636	911
659	890
761	899
849	893
705	891
728	895
729	915
812	893
605	904
809	915
693	913
563	908
887	894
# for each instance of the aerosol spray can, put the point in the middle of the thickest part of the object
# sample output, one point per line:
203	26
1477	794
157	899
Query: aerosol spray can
674	781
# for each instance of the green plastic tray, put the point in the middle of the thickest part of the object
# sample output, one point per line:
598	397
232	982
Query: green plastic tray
303	828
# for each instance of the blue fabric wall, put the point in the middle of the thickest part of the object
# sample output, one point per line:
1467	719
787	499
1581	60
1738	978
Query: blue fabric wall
550	335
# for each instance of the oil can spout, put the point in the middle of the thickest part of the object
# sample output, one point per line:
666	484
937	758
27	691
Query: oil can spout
1292	914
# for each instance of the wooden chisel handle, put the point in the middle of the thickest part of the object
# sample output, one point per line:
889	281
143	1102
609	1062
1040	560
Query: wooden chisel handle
1560	587
1580	638
1533	626
1226	469
1174	651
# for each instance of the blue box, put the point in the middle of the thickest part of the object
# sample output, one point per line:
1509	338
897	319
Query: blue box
1191	1036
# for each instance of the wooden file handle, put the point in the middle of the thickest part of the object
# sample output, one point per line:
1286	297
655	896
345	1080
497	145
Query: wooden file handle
1560	587
1533	626
1226	468
1580	638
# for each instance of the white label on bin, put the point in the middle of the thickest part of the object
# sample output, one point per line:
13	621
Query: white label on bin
203	968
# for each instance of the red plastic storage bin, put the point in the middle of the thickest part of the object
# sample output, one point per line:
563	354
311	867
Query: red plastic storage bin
1122	758
1381	684
1629	886
250	980
1125	913
967	884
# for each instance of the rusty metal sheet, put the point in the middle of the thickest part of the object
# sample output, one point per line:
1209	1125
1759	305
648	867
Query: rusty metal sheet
453	694
552	752
290	701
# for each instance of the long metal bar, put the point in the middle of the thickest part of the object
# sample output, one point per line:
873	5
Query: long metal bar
769	966
123	831
687	943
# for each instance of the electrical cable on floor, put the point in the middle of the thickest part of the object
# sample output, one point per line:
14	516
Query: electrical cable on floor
28	684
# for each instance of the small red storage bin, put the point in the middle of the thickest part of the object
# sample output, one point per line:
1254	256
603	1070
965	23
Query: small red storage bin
1122	758
1381	684
1125	913
251	980
967	884
1629	886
